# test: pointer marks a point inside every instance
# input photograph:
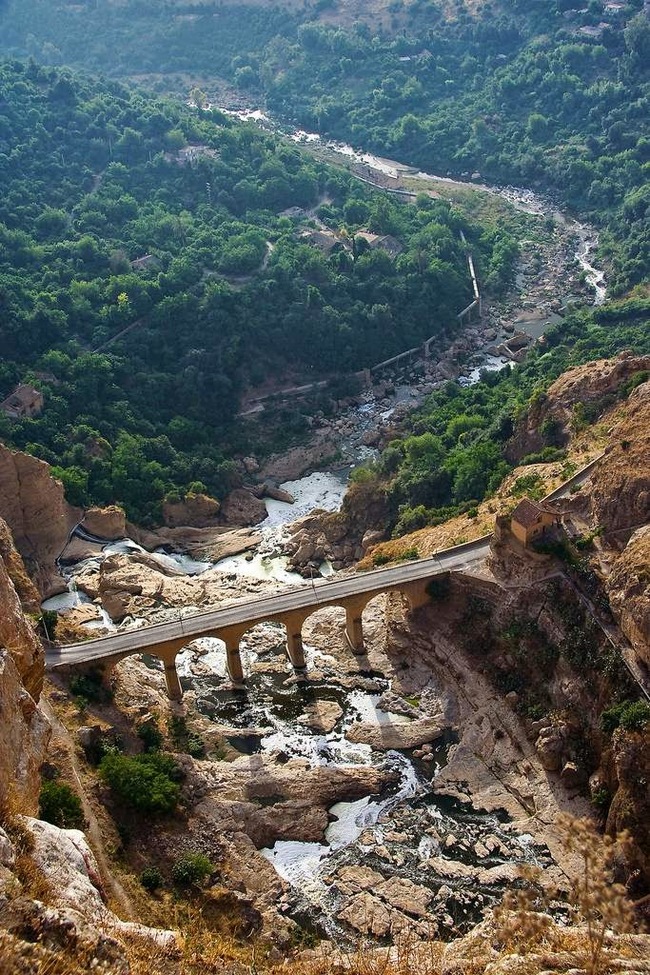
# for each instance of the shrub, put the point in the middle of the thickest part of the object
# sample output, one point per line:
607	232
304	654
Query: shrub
89	687
380	558
60	805
151	736
192	869
407	554
147	783
630	715
151	879
185	740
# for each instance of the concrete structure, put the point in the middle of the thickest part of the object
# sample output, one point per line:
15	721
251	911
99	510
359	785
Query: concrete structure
325	240
291	608
24	401
530	520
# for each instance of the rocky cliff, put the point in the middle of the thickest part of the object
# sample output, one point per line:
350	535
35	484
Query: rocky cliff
24	731
628	587
620	492
578	394
33	505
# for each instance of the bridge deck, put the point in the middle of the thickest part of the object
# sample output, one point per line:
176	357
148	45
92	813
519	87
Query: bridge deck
249	612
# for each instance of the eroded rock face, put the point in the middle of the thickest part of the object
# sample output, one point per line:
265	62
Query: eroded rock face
630	808
628	587
620	493
68	866
33	505
195	510
109	522
16	632
24	732
241	507
576	388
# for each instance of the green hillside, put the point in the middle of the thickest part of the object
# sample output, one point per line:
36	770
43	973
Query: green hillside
148	275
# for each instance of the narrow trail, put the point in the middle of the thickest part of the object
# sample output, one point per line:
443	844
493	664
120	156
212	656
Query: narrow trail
119	900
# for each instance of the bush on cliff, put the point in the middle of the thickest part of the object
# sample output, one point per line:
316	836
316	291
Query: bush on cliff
147	783
60	805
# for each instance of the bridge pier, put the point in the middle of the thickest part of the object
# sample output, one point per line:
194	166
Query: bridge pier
174	688
295	651
354	628
233	660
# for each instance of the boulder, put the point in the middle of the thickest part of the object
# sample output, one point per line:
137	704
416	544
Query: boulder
194	511
241	507
550	747
109	523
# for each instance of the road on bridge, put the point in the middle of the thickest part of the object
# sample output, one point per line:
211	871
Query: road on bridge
251	611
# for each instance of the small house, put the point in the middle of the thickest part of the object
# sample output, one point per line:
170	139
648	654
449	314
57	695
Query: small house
325	240
24	401
530	520
384	242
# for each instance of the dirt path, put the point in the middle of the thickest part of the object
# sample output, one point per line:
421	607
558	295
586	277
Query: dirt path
119	900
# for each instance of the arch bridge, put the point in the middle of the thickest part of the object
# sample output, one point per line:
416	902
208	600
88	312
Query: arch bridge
291	608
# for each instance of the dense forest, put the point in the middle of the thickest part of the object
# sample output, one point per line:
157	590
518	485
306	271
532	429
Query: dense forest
539	94
151	259
148	275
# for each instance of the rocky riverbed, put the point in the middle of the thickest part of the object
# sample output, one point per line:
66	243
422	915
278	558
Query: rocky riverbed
389	791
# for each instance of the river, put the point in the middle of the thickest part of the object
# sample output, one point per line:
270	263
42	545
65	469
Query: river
398	832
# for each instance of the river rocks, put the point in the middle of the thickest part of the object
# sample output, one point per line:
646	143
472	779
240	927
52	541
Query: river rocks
404	895
401	734
194	510
241	507
373	905
321	716
108	523
260	777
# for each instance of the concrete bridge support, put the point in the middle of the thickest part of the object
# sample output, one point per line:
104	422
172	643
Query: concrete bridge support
295	651
354	625
174	689
233	660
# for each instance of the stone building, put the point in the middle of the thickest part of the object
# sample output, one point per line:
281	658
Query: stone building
24	401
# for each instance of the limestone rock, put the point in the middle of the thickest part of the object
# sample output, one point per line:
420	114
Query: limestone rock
358	878
367	914
550	747
33	505
581	385
628	587
241	507
109	522
406	896
16	632
24	731
400	733
195	510
64	857
620	483
321	716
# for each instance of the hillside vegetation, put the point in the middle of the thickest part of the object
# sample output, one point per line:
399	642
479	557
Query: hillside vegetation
142	289
539	94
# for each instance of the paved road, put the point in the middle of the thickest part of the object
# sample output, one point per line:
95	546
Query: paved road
323	592
251	611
